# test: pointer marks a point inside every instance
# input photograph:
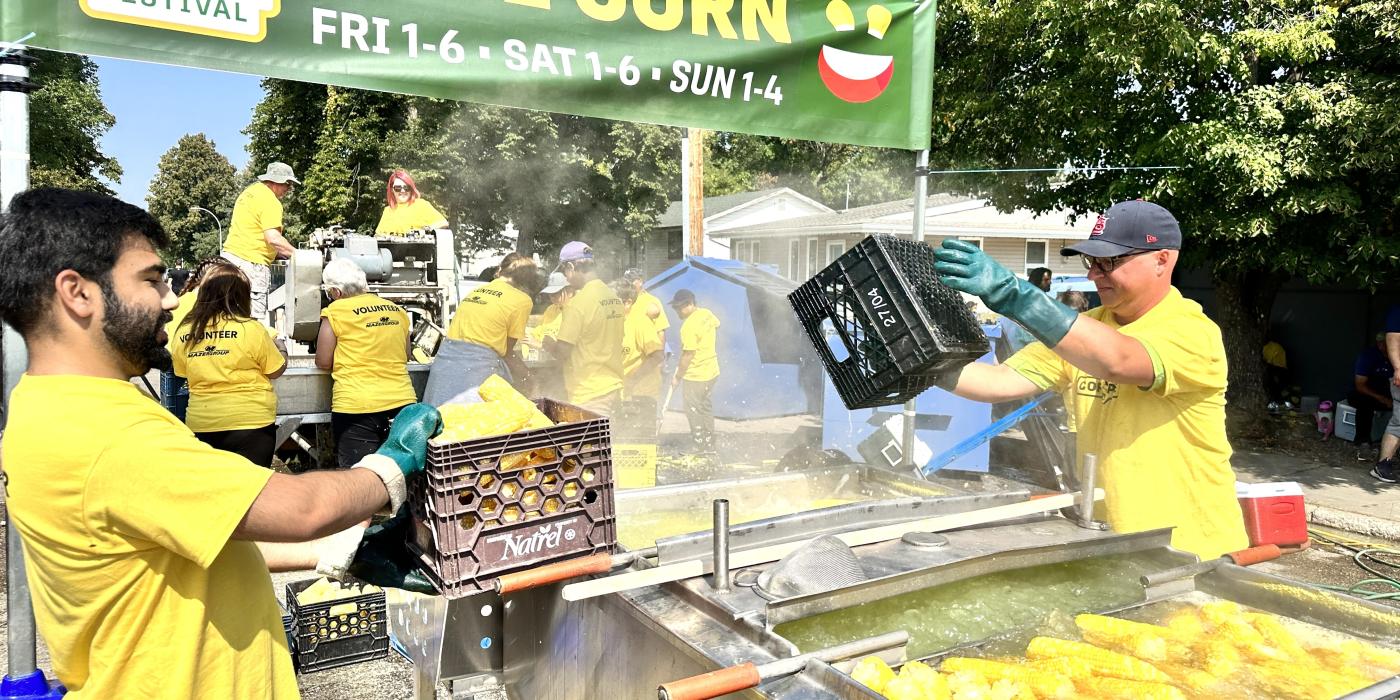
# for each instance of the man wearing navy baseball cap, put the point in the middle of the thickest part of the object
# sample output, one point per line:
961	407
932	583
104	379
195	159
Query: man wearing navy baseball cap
1144	375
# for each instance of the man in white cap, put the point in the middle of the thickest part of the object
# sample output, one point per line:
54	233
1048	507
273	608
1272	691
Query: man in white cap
255	234
1144	375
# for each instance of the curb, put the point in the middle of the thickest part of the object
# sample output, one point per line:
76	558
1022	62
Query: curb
1358	523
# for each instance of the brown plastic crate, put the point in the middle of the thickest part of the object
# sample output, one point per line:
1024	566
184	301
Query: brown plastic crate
509	502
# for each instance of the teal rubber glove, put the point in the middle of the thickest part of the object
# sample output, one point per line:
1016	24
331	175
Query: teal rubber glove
964	267
383	558
407	443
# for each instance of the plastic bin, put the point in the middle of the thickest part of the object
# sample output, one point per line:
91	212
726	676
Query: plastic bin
1273	513
635	464
337	632
1346	429
896	327
509	502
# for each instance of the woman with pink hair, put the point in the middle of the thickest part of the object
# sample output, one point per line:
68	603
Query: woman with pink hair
405	209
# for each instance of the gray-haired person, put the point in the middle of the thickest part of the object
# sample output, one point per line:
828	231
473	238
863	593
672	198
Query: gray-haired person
364	342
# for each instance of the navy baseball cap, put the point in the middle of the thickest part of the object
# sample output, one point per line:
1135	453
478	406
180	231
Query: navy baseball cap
682	297
1128	227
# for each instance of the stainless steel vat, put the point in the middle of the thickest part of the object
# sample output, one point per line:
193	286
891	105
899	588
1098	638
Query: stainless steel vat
306	389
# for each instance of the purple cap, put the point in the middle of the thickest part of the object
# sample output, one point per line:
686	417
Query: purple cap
1127	227
574	251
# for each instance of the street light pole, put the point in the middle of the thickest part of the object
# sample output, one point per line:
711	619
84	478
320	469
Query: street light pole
217	224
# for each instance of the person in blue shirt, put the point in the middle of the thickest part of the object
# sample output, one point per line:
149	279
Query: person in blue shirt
1385	469
1370	391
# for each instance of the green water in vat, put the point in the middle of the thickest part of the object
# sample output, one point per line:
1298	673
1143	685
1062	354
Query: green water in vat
967	611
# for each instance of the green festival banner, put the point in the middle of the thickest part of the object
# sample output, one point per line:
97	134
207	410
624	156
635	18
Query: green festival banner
851	71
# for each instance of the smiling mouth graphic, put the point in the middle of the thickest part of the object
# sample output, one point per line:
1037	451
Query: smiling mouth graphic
854	77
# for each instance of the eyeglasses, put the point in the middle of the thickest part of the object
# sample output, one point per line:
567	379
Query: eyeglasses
1107	265
400	188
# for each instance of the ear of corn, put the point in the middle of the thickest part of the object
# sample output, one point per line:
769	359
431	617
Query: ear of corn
1120	689
1044	684
873	673
1112	663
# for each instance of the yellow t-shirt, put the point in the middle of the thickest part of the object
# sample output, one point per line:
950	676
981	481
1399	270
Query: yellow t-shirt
698	334
639	342
491	314
178	316
255	211
227	370
1275	355
592	323
371	355
548	325
402	219
125	519
1163	456
647	301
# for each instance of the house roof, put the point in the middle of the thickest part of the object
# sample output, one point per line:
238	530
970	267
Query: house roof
873	214
722	204
944	213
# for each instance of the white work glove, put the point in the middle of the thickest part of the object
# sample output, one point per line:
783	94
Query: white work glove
334	553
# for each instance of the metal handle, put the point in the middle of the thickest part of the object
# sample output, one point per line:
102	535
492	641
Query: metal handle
554	573
1087	482
720	581
712	684
1244	557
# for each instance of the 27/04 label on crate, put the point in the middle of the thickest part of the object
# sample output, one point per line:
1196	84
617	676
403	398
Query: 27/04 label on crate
533	542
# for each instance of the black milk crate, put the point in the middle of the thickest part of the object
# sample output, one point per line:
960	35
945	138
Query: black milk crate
291	636
337	632
505	503
898	327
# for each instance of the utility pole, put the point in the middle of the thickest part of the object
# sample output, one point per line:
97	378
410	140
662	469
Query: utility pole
693	191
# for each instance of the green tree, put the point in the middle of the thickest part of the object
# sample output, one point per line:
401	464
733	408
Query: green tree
192	174
827	172
67	120
1281	117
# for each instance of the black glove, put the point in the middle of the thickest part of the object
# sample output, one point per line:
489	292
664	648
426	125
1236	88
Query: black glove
383	558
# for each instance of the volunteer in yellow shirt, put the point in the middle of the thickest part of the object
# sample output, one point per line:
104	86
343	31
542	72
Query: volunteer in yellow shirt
364	342
557	293
641	350
255	236
698	369
646	301
230	361
589	342
140	540
482	336
405	210
174	390
1145	376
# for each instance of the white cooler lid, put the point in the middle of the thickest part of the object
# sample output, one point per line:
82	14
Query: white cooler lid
1266	490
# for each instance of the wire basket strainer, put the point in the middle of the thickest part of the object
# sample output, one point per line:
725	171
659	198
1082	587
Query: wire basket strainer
824	564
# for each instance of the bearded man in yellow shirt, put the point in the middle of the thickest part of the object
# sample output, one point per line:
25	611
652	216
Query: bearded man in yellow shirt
699	368
255	232
1144	375
141	543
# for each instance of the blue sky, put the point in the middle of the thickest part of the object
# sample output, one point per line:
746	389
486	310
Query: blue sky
155	105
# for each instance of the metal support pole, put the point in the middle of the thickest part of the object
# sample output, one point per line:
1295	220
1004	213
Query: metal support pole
721	544
14	178
906	443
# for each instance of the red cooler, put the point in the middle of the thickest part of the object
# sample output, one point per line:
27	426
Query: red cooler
1273	513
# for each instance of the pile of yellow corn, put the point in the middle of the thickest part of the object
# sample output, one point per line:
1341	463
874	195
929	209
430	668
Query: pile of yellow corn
325	590
502	410
1216	650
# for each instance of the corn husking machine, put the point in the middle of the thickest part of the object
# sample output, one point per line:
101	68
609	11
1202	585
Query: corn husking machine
417	271
772	586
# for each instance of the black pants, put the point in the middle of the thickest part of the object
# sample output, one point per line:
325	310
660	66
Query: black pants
256	444
1366	407
700	411
359	434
